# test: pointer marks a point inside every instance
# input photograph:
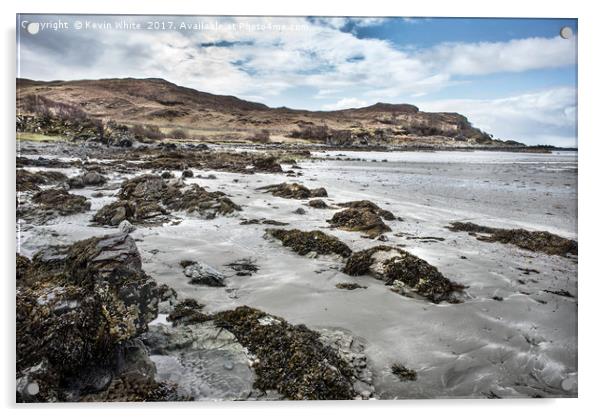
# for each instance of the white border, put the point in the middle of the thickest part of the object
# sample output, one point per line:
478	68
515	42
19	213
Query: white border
590	153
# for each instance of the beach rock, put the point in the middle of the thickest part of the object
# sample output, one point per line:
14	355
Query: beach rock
203	274
360	220
299	211
294	190
188	311
406	273
30	181
290	359
244	266
314	241
349	286
205	361
76	307
369	205
126	227
318	204
187	173
352	350
267	164
403	373
168	298
534	241
149	199
22	265
60	201
89	178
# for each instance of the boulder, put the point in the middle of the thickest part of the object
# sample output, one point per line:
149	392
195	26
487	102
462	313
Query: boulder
294	190
314	241
203	274
61	202
89	178
406	273
76	307
360	220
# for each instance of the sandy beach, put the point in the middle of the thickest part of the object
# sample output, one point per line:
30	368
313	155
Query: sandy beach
513	334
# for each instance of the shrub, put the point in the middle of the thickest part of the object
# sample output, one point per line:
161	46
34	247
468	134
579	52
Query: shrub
311	132
178	134
148	132
263	136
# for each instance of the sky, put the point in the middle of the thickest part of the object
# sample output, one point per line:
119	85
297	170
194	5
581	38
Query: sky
514	78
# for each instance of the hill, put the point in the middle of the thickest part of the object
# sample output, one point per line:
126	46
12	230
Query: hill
204	116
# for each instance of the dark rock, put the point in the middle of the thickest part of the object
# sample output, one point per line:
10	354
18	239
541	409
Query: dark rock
403	373
202	274
318	204
360	220
244	267
61	202
404	271
349	286
307	242
76	307
294	190
89	178
148	199
366	204
300	211
30	181
187	173
22	265
188	312
291	359
534	241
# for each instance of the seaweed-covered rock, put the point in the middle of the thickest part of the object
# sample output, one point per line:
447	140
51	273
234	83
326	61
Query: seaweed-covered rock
114	213
314	241
203	274
76	305
537	241
290	359
188	311
244	267
267	163
60	201
403	373
366	204
318	204
360	220
86	179
30	181
209	204
294	190
402	270
349	286
148	199
22	265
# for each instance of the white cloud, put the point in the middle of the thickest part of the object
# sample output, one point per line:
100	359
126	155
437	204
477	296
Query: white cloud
491	57
267	62
346	103
547	116
367	21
